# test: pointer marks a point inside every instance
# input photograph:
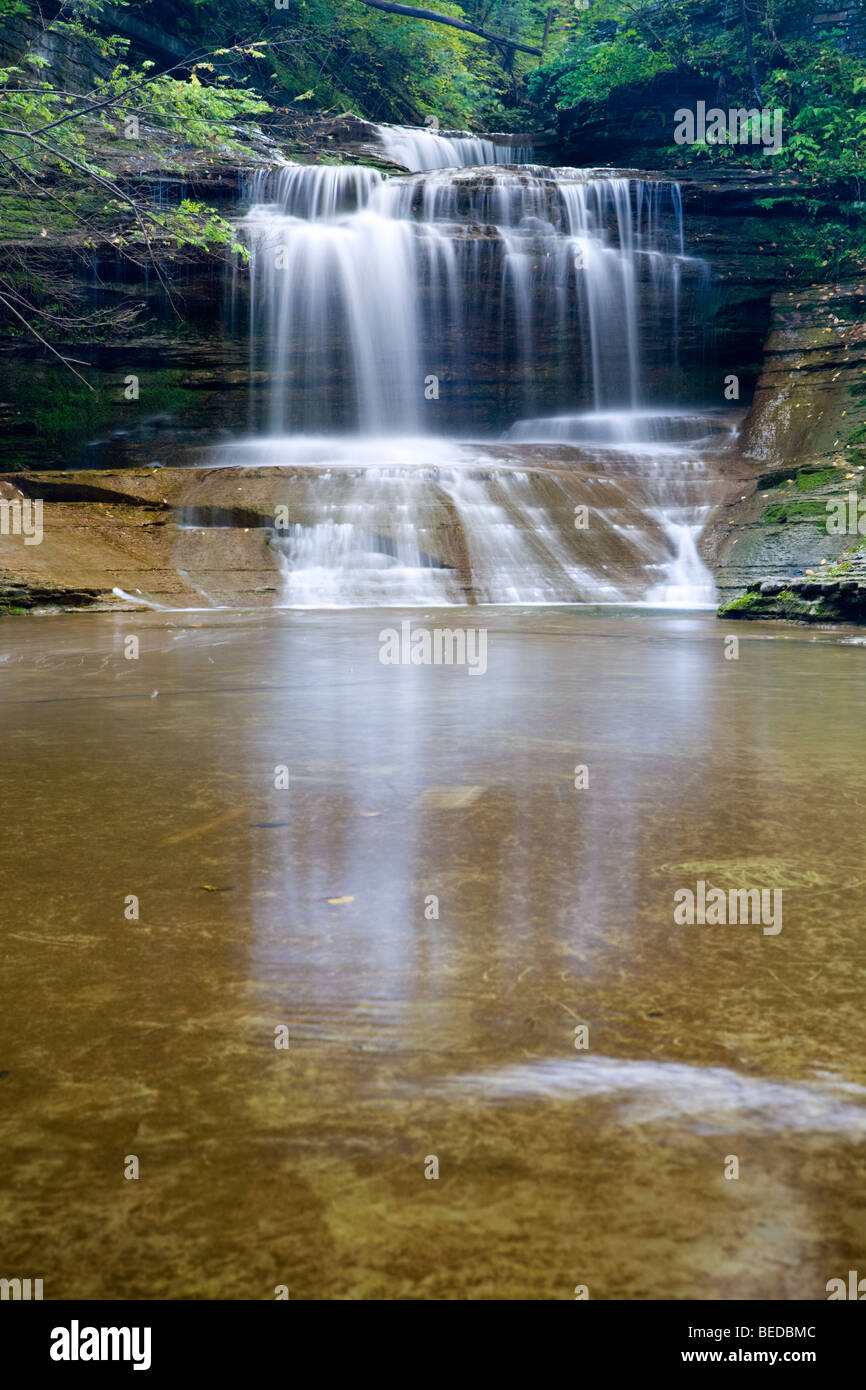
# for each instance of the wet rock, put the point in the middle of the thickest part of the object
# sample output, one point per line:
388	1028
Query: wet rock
830	600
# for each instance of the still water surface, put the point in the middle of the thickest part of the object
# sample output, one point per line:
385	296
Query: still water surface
410	1036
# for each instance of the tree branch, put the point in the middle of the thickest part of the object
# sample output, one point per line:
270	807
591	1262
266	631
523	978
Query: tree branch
29	326
436	18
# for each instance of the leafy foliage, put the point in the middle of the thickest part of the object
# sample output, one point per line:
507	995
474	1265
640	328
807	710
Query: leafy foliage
341	53
821	90
597	53
69	160
48	135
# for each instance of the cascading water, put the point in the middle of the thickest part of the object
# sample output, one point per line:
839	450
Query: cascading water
363	287
417	149
409	311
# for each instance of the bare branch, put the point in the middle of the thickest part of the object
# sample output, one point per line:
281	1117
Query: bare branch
67	361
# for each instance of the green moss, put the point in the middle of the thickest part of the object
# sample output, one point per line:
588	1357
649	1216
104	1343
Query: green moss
56	210
55	414
808	478
845	563
751	604
738	605
21	219
786	604
819	251
813	509
804	479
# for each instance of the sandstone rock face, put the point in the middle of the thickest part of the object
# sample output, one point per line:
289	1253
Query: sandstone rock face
124	531
799	448
206	536
199	373
814	358
802	350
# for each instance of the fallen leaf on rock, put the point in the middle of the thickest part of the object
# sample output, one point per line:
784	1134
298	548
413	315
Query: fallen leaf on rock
336	901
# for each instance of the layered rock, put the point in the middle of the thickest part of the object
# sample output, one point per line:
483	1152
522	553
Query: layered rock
801	454
481	521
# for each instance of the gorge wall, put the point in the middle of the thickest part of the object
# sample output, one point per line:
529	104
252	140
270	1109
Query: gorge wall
796	351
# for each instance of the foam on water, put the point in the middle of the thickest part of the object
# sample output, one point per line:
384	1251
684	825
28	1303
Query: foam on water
416	149
712	1100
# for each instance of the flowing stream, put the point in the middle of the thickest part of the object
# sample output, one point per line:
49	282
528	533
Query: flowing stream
472	370
470	384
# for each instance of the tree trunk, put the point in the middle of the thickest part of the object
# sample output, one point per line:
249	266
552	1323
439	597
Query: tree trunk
547	23
413	13
750	52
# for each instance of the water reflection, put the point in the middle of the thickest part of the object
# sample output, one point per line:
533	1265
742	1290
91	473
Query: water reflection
411	1035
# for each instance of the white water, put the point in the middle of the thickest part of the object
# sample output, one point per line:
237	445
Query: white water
658	429
367	288
417	521
364	287
419	149
709	1100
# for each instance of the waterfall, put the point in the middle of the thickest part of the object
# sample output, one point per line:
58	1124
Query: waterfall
314	191
364	287
396	317
427	149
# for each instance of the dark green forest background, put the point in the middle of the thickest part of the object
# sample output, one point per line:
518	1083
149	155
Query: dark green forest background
343	54
203	78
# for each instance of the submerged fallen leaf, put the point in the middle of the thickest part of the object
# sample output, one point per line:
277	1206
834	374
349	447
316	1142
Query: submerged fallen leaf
335	901
212	888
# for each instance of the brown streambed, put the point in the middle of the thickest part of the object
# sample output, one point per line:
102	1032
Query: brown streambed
412	1037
